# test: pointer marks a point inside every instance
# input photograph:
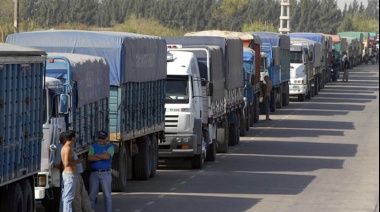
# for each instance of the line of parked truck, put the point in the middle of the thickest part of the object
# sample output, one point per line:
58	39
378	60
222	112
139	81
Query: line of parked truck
190	96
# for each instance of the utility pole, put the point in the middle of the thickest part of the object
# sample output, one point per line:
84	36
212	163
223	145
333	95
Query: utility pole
285	17
15	16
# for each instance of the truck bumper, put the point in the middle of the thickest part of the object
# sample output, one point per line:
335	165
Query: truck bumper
39	193
45	181
176	146
295	89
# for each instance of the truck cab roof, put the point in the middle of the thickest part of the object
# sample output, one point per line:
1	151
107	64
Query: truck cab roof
182	63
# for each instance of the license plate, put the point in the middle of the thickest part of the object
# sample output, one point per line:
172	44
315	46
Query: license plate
296	86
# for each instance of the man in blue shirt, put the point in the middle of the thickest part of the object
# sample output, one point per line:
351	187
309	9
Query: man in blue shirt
100	155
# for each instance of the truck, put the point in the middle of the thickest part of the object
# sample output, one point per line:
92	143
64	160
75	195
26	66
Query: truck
277	49
329	58
225	54
323	70
191	104
137	74
351	50
21	113
82	82
251	62
301	68
250	87
357	46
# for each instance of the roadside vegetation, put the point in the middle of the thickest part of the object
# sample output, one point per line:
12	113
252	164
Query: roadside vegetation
176	17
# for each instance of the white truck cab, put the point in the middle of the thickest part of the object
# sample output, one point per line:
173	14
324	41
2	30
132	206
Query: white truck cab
300	70
183	104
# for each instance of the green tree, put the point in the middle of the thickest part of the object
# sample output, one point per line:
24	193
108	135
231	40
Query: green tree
259	26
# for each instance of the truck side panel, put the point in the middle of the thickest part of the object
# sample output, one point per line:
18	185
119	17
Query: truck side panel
21	117
136	109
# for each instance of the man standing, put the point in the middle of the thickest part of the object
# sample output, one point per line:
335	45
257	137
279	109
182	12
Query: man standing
100	155
335	67
81	202
69	174
267	90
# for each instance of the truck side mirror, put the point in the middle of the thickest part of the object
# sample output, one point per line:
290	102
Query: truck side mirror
209	89
63	104
252	79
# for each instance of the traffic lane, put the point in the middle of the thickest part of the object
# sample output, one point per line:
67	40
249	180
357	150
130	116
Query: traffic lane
330	164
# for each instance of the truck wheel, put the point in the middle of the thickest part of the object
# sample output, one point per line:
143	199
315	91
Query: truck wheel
279	97
248	118
119	170
273	101
285	96
142	161
28	196
211	151
154	155
223	138
242	129
52	205
232	134
13	200
308	94
301	97
197	161
256	108
316	86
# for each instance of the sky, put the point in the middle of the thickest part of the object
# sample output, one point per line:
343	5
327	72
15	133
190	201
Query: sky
342	2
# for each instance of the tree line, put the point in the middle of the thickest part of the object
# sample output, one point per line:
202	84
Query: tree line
191	15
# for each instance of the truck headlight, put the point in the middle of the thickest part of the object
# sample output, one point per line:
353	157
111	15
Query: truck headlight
41	180
182	139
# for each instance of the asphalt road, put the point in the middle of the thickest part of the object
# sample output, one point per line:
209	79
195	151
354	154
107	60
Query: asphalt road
320	155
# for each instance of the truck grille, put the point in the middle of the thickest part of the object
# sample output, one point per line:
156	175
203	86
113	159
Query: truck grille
171	121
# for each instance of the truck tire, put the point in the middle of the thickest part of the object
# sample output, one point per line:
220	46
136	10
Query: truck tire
285	96
248	118
272	103
279	97
301	97
197	161
13	199
142	161
28	196
53	204
211	151
256	109
154	155
242	123
119	170
232	132
222	137
316	86
308	93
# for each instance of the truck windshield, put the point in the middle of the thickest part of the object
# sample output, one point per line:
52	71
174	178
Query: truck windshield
249	66
296	57
57	73
177	89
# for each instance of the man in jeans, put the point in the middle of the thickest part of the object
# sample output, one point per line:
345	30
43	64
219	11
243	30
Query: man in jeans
267	90
81	202
100	155
69	174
